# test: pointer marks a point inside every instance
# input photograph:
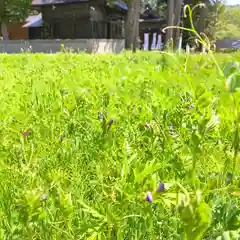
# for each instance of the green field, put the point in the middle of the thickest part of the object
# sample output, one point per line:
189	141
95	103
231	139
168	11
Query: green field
84	138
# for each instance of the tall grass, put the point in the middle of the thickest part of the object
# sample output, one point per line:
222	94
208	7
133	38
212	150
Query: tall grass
83	139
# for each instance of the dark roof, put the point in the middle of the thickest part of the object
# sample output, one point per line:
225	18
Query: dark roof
118	3
50	2
148	14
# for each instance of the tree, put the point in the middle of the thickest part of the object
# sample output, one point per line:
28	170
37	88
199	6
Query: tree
206	19
132	24
177	22
159	7
12	11
170	19
229	24
174	11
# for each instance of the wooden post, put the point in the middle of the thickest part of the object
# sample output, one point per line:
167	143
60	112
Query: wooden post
146	42
159	42
154	41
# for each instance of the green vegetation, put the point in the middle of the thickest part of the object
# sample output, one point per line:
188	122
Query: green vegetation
84	137
229	24
12	11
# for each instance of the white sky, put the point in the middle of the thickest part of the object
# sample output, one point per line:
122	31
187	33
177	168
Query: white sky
232	2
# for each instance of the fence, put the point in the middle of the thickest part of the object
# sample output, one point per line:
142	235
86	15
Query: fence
227	44
53	46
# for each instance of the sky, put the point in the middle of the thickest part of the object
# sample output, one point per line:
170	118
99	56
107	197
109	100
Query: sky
232	2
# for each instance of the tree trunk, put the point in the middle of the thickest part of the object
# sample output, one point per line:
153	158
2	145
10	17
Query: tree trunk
137	7
170	20
201	26
132	24
2	5
177	22
4	31
129	25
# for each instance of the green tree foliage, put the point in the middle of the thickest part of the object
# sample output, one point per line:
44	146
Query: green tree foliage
229	24
158	6
13	11
207	19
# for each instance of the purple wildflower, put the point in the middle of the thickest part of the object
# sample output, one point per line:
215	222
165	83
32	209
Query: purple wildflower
191	106
149	197
171	127
110	122
161	187
25	134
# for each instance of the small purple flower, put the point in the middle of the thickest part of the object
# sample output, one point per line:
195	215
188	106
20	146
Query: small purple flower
161	187
171	127
25	134
149	197
44	198
110	122
191	106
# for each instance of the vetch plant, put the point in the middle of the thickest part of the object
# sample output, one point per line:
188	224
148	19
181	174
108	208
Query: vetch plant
118	166
149	197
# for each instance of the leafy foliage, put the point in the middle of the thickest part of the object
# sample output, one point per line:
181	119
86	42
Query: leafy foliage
229	24
14	10
84	138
